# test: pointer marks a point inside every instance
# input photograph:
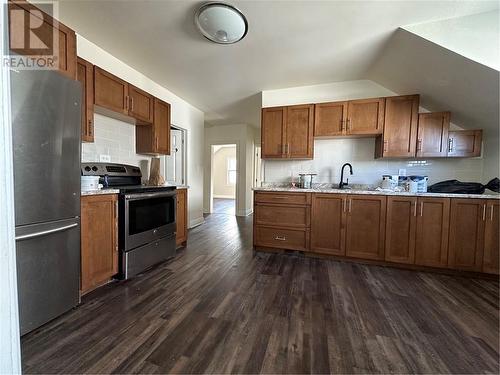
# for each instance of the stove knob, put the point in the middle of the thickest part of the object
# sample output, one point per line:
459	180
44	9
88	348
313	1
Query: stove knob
94	168
87	168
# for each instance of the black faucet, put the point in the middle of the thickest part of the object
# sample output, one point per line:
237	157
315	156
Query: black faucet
342	183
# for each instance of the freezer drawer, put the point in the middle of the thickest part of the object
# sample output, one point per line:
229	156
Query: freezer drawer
48	271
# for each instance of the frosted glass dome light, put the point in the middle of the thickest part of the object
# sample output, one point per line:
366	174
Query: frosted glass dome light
221	22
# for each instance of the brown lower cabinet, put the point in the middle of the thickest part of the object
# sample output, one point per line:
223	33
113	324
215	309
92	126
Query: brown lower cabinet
467	223
99	241
338	220
417	230
491	259
453	233
181	217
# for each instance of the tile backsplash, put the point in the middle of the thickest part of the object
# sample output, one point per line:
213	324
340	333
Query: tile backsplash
331	154
117	139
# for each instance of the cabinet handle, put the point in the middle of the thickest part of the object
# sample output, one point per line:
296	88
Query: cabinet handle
484	212
90	127
421	208
419	145
491	213
415	209
116	210
126	102
131	103
280	238
282	149
350	205
288	148
450	145
348	125
342	124
385	145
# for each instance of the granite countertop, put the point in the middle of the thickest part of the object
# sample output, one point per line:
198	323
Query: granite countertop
100	192
330	190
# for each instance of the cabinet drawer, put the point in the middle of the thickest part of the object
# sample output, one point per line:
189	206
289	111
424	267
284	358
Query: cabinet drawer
283	216
285	198
281	238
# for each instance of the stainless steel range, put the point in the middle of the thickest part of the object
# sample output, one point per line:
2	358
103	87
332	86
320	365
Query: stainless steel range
146	216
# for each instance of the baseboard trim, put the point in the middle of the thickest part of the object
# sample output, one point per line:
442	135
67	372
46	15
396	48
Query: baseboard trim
196	222
225	197
244	212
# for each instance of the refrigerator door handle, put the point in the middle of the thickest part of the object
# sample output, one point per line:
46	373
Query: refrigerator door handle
45	232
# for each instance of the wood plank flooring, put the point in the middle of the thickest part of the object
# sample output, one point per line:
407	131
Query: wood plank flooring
224	206
218	308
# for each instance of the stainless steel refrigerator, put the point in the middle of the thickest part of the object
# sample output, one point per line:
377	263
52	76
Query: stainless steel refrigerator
46	138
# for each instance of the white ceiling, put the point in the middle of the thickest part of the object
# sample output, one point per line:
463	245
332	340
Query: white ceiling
289	43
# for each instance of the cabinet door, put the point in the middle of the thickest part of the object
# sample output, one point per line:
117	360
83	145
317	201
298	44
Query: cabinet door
467	218
401	227
330	119
99	245
433	220
365	116
140	105
365	226
85	74
273	132
400	126
433	134
299	132
161	127
465	143
491	238
60	39
110	91
181	217
328	223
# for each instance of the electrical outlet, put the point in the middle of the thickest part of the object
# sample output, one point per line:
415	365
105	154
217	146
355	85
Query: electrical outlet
104	158
402	172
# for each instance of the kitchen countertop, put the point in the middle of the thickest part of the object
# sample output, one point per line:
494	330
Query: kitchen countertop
100	192
491	195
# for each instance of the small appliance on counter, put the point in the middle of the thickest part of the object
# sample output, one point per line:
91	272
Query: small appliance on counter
417	184
389	182
305	180
90	183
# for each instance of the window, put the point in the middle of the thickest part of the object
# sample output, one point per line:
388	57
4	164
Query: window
231	171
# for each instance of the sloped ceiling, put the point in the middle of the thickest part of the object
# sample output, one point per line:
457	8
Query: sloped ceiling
289	43
445	80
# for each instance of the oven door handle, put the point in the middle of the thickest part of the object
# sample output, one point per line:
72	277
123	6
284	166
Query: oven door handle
141	196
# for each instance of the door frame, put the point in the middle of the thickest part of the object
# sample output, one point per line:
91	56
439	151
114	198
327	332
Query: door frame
211	177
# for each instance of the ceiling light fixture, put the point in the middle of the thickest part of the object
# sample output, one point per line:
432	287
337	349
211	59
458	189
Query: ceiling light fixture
221	22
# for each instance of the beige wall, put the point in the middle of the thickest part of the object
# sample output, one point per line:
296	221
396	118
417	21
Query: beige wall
221	188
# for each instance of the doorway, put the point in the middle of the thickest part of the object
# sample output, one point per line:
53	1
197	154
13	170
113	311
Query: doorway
224	179
175	165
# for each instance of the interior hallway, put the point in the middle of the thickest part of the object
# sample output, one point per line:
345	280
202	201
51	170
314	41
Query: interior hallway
224	206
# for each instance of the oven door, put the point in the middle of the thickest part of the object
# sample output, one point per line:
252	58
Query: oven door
148	217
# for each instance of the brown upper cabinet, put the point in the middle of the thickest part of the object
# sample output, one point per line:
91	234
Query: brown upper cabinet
60	39
330	119
110	92
365	116
140	105
355	117
155	138
287	132
464	143
85	74
491	260
467	222
399	138
432	139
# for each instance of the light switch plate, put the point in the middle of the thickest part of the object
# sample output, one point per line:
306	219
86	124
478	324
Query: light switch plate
104	158
402	172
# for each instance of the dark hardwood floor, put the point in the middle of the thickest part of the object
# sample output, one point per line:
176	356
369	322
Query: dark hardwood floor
217	308
224	206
